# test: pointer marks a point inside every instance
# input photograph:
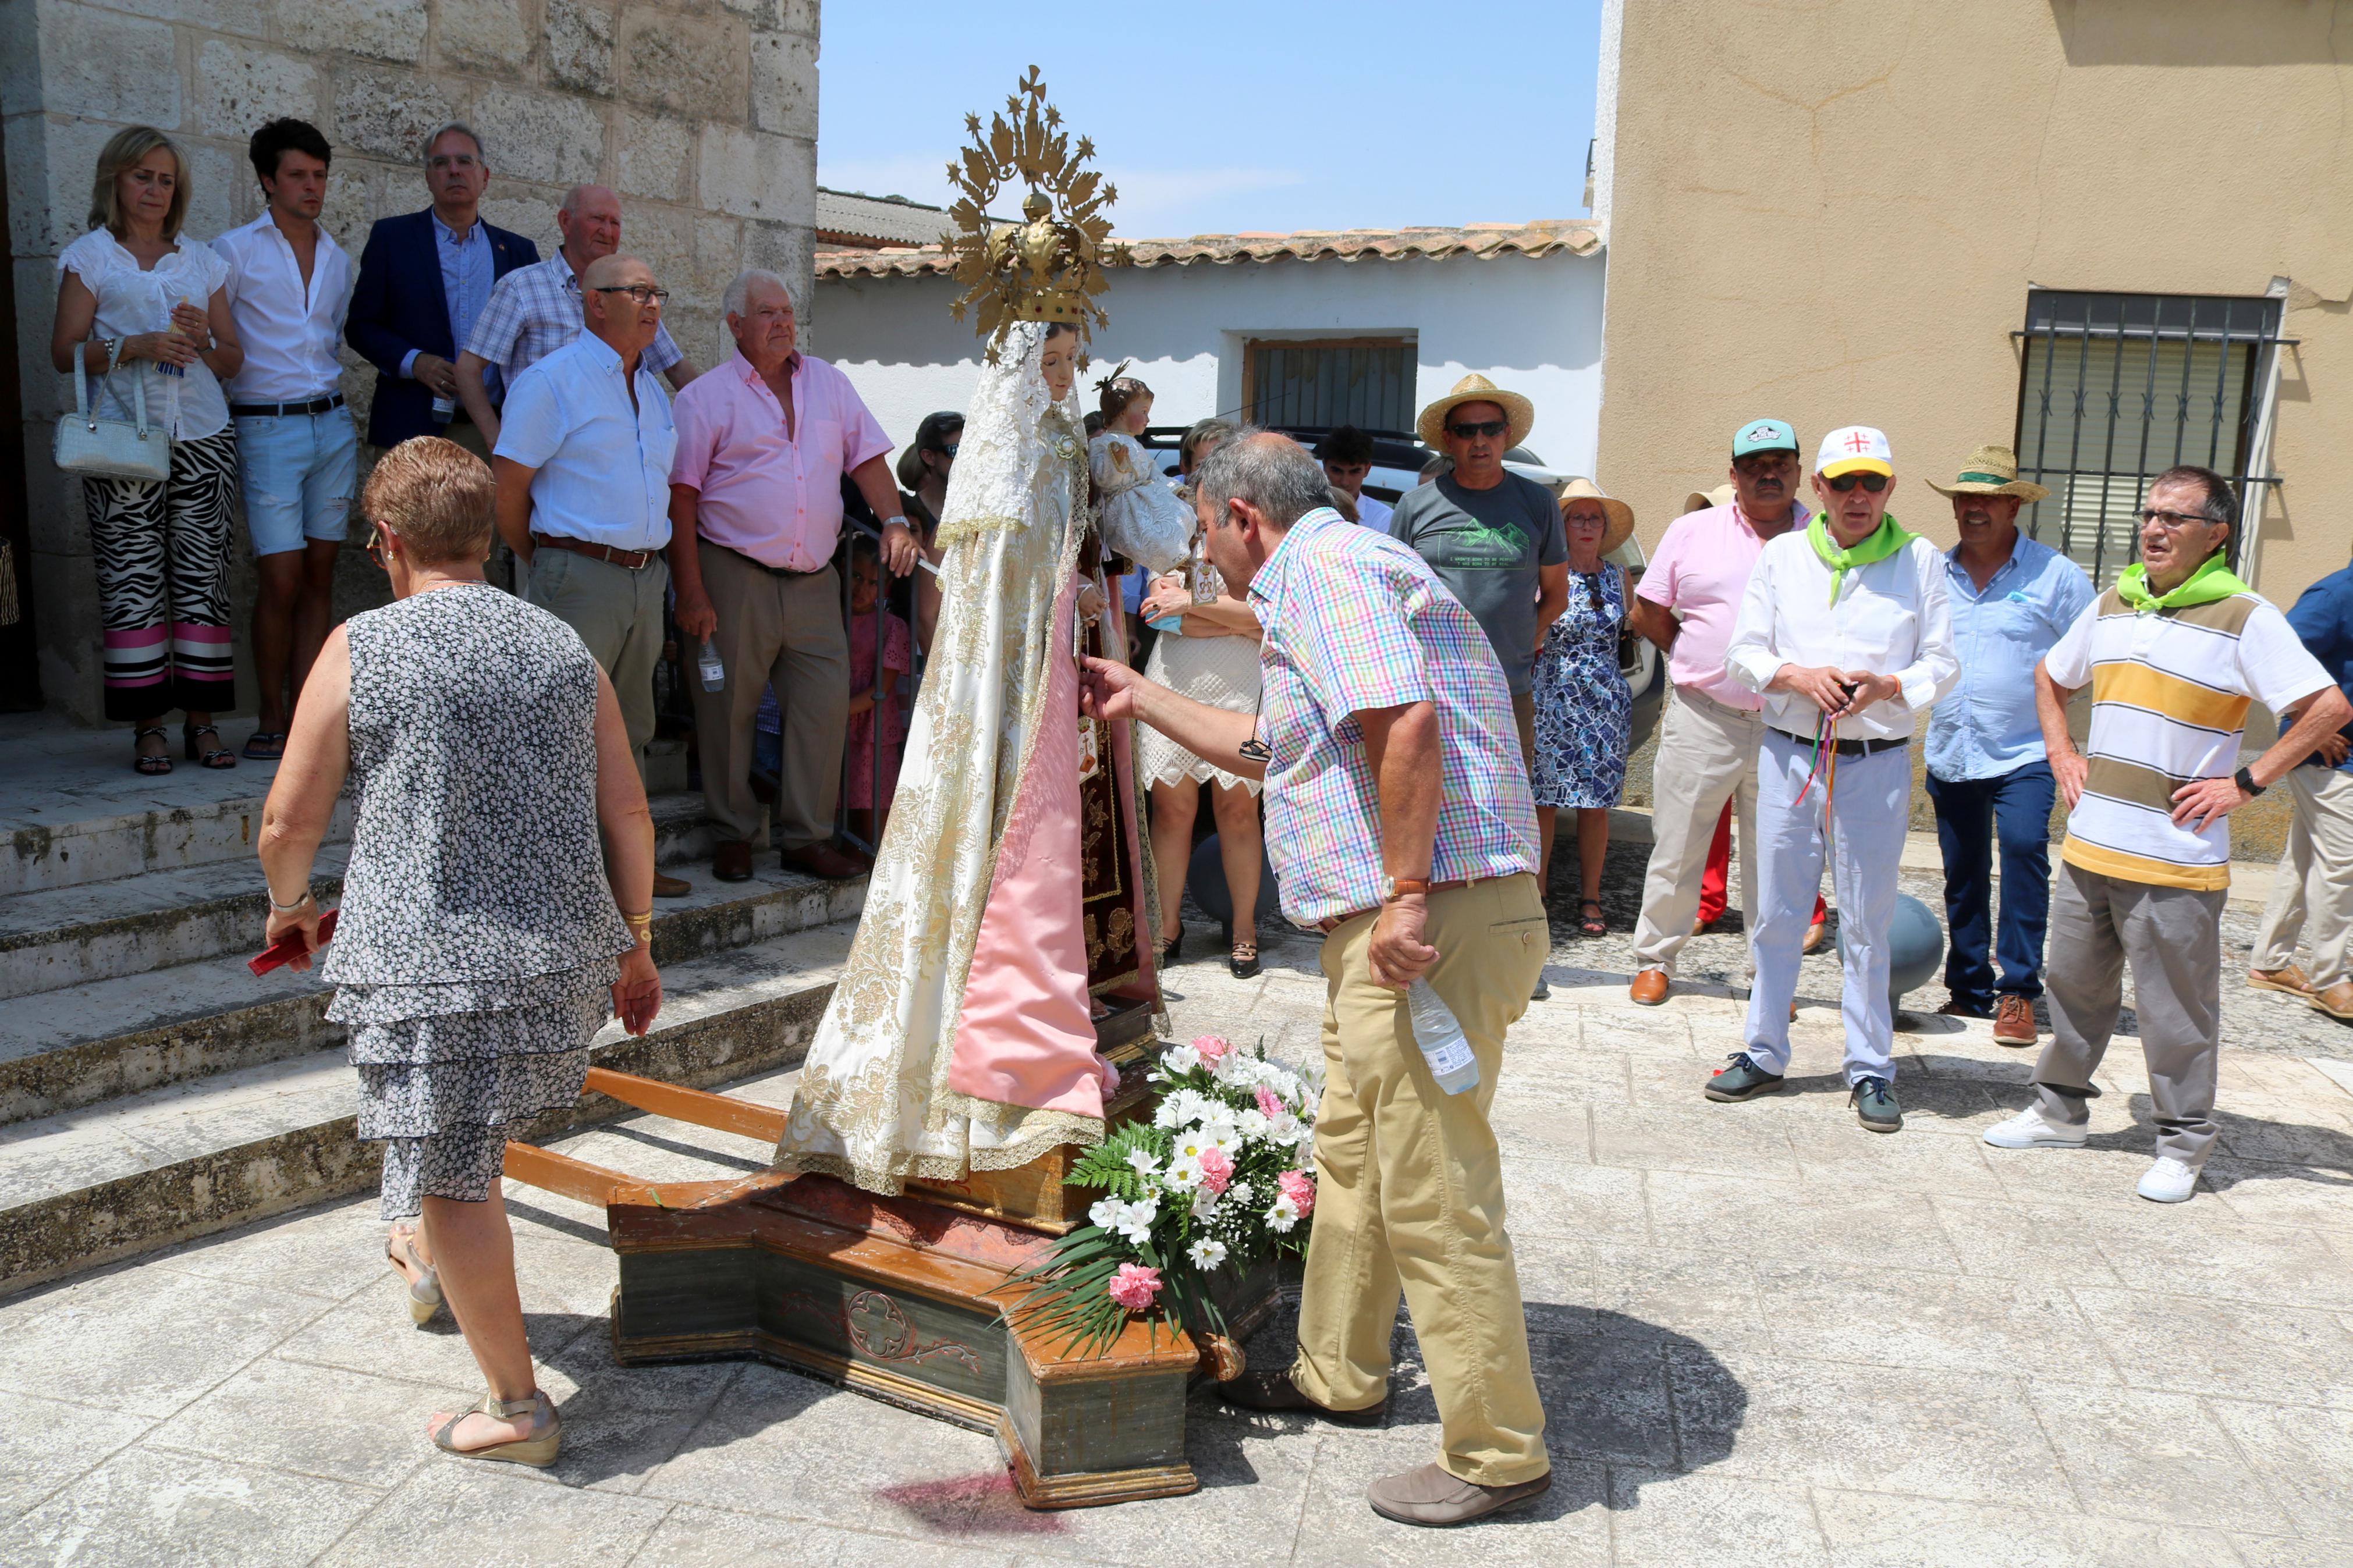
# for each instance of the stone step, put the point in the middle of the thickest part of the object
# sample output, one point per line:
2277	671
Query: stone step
88	1187
51	938
82	1045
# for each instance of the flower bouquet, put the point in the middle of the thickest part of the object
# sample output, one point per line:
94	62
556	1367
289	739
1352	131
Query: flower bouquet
1220	1178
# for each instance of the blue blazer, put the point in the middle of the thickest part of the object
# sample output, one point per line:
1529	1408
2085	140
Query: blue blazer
397	305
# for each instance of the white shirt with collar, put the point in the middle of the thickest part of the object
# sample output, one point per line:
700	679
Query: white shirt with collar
602	468
289	332
1892	617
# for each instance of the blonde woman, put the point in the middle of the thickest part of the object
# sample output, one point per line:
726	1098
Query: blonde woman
140	304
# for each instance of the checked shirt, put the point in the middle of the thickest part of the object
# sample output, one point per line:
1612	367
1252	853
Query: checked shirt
535	310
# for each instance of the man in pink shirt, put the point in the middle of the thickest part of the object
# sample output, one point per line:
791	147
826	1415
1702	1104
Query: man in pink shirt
1688	599
755	513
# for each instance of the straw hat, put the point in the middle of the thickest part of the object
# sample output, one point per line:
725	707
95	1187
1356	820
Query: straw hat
1519	414
1617	517
1700	500
1991	471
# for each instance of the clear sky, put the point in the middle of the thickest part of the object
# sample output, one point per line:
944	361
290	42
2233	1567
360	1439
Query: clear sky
1229	115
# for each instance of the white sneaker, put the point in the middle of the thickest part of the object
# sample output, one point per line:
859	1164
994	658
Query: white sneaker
2029	1130
2166	1180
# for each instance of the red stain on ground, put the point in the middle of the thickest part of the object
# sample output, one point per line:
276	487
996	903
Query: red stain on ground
984	1504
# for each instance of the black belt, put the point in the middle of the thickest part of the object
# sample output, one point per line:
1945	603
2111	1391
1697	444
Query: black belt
1846	748
266	410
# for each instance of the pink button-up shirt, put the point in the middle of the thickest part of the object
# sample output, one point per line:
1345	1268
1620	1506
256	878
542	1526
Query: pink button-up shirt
774	496
1700	574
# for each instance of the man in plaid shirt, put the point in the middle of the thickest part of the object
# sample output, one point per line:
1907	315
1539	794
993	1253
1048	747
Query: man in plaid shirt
1401	825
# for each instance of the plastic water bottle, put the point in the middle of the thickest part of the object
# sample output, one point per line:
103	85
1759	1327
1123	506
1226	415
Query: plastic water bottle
714	673
1440	1036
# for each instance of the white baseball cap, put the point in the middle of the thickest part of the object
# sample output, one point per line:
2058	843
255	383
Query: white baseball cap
1852	449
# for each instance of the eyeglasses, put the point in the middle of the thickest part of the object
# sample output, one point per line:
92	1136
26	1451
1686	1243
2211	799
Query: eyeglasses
643	293
1483	427
2173	522
376	544
1875	483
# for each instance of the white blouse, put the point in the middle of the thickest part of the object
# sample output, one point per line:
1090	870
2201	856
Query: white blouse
131	299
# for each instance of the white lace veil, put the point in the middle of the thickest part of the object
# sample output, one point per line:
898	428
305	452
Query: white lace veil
1008	432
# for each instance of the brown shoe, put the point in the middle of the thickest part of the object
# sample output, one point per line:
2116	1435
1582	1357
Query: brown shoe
1650	987
2337	1001
2013	1022
732	861
1275	1391
2289	979
1813	942
671	886
1430	1496
821	860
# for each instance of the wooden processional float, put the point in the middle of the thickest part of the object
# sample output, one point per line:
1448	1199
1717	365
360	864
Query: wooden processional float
903	1299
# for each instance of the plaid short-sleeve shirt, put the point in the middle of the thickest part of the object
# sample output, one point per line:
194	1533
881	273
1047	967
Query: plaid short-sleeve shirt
1352	620
535	310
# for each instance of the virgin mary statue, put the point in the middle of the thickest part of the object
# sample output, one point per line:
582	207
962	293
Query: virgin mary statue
1009	891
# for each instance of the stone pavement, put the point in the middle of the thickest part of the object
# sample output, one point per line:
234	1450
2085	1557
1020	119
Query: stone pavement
1764	1336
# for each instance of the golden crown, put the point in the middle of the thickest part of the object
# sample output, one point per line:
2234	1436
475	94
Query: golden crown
1050	265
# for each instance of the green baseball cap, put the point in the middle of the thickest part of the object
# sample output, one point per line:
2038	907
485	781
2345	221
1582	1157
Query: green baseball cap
1764	435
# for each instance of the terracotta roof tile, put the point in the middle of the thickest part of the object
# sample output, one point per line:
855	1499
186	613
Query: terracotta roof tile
1542	237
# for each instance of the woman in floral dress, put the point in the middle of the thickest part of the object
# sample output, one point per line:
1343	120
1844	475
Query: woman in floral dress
1583	707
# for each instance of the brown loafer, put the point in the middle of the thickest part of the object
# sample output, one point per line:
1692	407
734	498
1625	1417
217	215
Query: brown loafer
2289	979
671	886
1275	1391
1650	987
2013	1021
1431	1496
821	860
732	861
2337	1001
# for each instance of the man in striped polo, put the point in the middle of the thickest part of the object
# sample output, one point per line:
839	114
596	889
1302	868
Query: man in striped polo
2173	653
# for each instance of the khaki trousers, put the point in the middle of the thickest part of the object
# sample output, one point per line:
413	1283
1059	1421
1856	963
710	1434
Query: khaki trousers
1707	754
1410	1188
619	614
786	631
2315	876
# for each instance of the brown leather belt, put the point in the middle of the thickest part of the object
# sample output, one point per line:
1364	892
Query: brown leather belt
635	560
1331	923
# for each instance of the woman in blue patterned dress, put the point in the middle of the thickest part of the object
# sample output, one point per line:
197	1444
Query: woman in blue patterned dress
1582	704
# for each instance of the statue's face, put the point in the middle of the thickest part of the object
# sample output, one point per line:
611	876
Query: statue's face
1060	364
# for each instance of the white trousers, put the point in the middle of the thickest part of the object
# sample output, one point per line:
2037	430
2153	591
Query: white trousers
1868	815
2315	877
1707	755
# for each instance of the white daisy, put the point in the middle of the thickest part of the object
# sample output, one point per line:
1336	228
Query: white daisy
1206	1254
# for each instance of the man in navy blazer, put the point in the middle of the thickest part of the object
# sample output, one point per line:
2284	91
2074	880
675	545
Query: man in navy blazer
424	277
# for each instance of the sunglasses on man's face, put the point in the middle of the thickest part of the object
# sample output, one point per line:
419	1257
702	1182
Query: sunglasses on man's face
1483	427
1875	483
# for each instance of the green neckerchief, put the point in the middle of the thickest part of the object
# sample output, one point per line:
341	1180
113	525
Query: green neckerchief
2211	582
1878	545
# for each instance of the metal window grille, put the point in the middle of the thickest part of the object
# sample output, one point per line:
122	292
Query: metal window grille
2113	389
1318	385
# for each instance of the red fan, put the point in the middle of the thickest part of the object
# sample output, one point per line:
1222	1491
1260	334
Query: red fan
289	946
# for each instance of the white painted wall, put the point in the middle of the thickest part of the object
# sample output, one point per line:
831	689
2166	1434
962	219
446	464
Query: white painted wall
1530	324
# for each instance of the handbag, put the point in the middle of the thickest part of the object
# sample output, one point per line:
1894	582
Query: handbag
112	449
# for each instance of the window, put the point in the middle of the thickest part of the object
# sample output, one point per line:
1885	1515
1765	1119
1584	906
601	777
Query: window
1317	382
2113	389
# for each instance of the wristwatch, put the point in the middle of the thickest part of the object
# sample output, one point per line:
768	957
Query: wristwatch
2247	781
1394	887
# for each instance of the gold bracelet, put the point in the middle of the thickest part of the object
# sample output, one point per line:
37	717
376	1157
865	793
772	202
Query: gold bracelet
640	926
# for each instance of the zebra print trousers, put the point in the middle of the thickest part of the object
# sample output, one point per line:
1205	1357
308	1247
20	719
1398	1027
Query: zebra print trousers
162	553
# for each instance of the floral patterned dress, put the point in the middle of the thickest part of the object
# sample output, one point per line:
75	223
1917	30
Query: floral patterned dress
1583	708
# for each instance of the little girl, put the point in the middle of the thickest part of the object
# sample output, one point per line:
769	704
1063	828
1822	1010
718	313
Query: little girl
1131	498
870	808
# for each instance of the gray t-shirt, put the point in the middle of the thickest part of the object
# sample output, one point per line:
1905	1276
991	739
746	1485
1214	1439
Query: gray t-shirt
1485	546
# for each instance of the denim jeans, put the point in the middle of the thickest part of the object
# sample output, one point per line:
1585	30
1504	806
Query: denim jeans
300	471
1971	815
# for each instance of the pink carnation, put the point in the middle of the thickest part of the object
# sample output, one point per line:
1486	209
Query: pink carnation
1134	1286
1217	1170
1214	1049
1269	1104
1300	1188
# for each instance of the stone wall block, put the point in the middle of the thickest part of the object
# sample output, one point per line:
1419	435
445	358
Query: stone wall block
389	112
240	87
784	83
580	44
785	250
798	17
541	136
107	67
753	174
43	392
248	19
718	254
696	67
532	215
486	35
382	29
657	156
222	191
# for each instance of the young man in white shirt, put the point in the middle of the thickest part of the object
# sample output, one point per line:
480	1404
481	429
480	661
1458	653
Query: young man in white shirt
1847	633
297	455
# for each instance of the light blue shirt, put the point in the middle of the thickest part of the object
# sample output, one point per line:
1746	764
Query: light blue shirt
466	274
1986	726
602	468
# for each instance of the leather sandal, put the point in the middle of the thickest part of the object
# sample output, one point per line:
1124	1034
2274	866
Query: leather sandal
213	756
143	763
1245	960
424	1289
265	745
1593	925
538	1450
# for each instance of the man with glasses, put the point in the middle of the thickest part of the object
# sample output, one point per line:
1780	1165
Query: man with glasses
2174	654
1686	602
583	466
756	515
1846	633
